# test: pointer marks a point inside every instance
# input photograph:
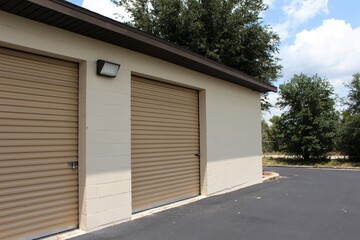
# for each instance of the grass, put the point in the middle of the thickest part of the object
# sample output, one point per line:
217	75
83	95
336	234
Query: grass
288	161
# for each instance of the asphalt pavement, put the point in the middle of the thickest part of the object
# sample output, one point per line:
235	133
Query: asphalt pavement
303	204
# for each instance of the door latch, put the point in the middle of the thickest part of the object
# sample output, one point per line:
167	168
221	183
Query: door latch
73	165
197	154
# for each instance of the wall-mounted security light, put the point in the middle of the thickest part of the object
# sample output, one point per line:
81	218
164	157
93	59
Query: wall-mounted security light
107	69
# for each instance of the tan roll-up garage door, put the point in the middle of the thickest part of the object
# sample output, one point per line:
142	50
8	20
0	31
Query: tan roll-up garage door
38	145
164	143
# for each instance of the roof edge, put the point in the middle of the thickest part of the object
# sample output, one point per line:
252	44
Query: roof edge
165	50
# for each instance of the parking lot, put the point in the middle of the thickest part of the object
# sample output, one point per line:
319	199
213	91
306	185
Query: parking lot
304	204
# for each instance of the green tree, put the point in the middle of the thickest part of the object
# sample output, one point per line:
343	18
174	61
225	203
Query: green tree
228	31
349	130
353	100
276	136
349	136
308	124
265	133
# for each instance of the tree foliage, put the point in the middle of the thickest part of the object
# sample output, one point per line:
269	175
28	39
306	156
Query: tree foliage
266	138
271	135
349	136
308	124
349	130
228	31
276	135
354	94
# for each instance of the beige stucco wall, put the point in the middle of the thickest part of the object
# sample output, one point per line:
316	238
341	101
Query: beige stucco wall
230	119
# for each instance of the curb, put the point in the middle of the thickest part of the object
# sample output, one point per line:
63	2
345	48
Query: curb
312	167
269	176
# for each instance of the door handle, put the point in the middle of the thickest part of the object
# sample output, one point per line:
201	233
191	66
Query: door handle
73	165
197	154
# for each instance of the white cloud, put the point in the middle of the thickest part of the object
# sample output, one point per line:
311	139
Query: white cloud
282	29
107	8
270	3
298	12
332	50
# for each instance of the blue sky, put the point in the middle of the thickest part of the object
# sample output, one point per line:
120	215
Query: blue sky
317	36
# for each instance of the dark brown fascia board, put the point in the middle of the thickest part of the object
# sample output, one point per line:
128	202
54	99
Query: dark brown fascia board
168	51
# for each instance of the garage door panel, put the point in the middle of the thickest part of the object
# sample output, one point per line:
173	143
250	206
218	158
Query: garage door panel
179	126
163	128
38	92
164	174
38	187
165	145
37	98
164	135
159	103
170	186
163	158
38	181
190	173
38	207
29	149
31	66
30	116
150	182
174	150
156	92
163	121
156	98
35	155
34	168
13	81
151	106
164	115
35	110
33	104
13	73
38	138
164	162
37	217
145	142
164	90
36	161
59	225
142	156
30	175
36	79
49	136
31	129
49	65
46	142
171	196
165	140
185	100
165	112
37	123
147	83
37	200
177	166
140	179
29	195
